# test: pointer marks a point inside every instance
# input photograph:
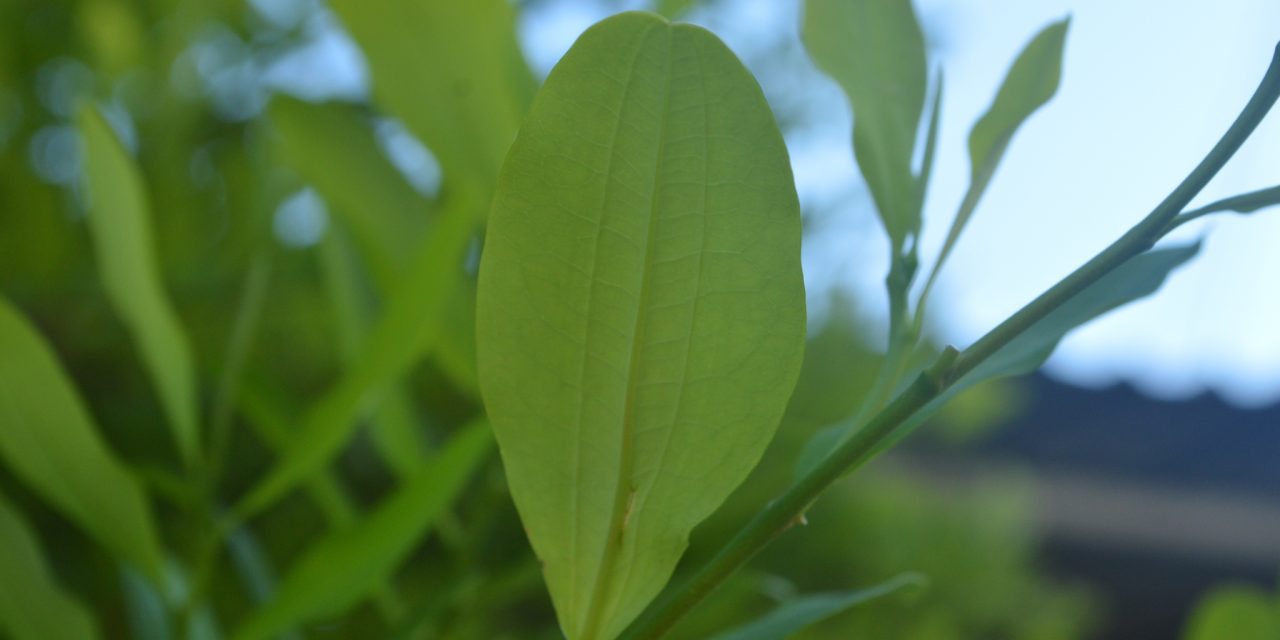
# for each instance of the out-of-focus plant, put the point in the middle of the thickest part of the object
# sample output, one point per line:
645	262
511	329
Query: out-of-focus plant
241	368
1235	612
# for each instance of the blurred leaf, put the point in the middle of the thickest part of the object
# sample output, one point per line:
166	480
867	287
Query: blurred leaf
121	229
452	71
34	606
332	147
874	50
392	428
672	9
837	372
341	569
50	443
797	613
640	317
1030	83
411	324
334	150
1244	203
1235	613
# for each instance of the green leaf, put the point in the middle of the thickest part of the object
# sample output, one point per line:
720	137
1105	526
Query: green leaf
874	49
332	147
345	566
1235	613
34	606
410	326
794	615
121	230
640	308
1244	203
1141	276
1137	278
50	443
452	71
393	430
1030	83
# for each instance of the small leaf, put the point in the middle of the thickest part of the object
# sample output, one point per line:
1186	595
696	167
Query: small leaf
1235	613
452	71
1244	203
344	567
410	326
50	443
1030	83
34	606
640	313
121	230
1137	278
874	49
794	615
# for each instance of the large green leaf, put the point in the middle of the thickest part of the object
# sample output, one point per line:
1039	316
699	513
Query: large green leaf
34	606
1030	83
640	309
874	49
121	228
344	567
452	71
1235	613
409	327
794	615
48	441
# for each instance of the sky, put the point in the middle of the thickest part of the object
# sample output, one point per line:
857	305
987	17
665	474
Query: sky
1144	95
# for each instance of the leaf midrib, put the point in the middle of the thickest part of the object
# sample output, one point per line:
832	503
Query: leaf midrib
623	490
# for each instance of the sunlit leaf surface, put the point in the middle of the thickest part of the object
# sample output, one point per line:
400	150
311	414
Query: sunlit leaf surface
641	308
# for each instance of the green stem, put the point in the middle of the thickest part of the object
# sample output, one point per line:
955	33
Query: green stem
789	509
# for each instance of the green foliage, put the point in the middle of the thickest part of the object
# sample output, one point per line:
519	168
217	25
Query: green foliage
35	606
1235	613
344	567
640	329
51	444
121	225
641	310
1030	83
796	614
874	49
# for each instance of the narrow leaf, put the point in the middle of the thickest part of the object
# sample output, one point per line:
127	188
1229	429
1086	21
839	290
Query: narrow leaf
50	443
346	566
333	148
464	107
121	229
34	606
640	308
1030	83
1244	203
796	614
1138	278
410	326
874	49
